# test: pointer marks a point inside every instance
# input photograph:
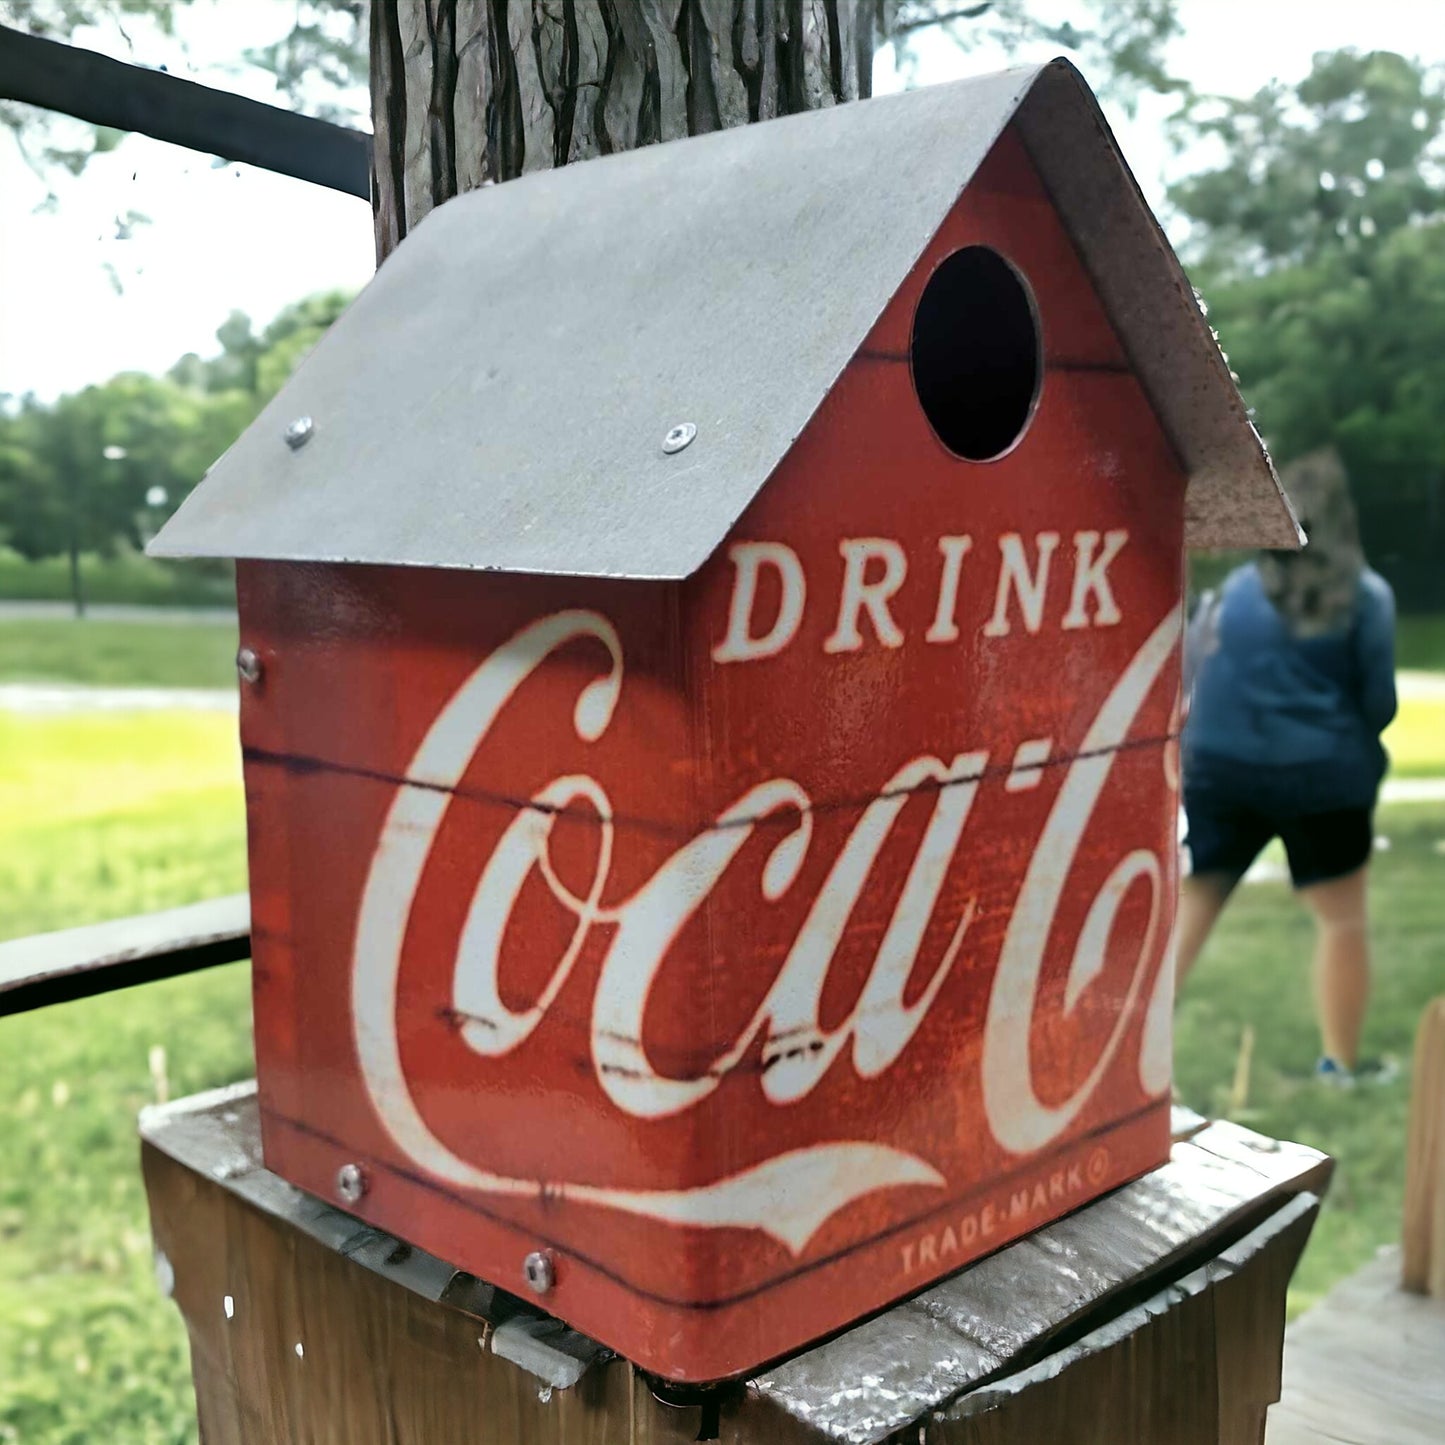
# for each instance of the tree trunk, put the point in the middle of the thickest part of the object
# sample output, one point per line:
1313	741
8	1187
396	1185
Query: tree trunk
77	585
467	92
77	582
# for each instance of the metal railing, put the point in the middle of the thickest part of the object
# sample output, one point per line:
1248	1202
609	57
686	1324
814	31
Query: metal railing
100	958
94	88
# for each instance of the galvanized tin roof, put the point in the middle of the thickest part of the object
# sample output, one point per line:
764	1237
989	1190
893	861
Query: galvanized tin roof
498	397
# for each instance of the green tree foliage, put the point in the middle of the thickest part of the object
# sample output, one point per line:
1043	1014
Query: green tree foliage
1119	43
259	362
49	142
322	56
1352	153
1319	242
97	471
80	470
319	61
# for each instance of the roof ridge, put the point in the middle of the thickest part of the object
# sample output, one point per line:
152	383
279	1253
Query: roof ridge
503	386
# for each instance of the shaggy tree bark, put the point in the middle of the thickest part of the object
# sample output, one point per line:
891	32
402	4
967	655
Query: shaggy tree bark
466	92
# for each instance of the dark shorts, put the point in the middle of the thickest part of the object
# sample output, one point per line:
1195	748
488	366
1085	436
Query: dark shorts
1226	836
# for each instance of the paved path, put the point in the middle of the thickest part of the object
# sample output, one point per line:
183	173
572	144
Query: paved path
60	698
1366	1366
1413	790
117	612
1420	686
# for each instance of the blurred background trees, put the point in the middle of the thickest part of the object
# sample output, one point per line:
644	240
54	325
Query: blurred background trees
1317	237
1312	219
95	472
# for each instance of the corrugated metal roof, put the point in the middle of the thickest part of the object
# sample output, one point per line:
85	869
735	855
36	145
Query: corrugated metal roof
498	396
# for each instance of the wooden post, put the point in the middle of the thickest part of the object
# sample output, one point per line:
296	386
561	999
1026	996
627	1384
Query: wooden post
465	94
1154	1315
1423	1236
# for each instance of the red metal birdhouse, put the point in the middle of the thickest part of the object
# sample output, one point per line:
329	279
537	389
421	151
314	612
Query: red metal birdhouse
712	621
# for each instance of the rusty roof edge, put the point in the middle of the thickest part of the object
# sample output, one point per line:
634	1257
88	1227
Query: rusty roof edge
264	500
165	543
1234	497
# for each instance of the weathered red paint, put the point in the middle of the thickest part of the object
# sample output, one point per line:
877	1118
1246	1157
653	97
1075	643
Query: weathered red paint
359	665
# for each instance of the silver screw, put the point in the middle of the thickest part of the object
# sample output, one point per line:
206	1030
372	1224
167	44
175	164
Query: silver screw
299	432
351	1182
248	665
537	1267
680	436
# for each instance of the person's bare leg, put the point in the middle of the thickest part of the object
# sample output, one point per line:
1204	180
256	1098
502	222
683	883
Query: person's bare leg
1342	962
1201	899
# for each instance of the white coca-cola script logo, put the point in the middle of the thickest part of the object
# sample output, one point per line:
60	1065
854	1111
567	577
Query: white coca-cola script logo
790	1195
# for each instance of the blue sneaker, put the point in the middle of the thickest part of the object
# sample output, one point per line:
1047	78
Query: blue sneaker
1335	1075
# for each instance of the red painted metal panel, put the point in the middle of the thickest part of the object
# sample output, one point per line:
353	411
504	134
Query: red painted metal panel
764	947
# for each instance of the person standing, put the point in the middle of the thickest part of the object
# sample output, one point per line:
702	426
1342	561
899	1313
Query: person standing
1293	682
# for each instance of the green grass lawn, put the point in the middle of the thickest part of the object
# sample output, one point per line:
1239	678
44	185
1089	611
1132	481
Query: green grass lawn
1416	739
1420	643
1255	972
117	654
126	577
102	815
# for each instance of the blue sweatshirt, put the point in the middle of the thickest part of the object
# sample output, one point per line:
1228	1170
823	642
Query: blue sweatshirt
1296	718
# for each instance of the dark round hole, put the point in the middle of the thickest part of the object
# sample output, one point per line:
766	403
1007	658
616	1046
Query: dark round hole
976	353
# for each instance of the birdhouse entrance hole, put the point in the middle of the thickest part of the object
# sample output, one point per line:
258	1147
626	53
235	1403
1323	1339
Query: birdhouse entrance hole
976	353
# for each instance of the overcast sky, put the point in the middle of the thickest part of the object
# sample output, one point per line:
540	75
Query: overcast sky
223	238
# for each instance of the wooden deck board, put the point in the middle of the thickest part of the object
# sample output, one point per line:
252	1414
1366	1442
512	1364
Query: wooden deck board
1366	1366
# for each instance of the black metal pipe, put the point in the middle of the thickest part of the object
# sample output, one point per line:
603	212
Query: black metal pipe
51	968
108	92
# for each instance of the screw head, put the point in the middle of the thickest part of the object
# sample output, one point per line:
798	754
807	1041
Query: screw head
680	436
300	432
538	1271
351	1182
248	665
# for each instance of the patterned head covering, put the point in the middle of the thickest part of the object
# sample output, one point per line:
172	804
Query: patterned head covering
1314	589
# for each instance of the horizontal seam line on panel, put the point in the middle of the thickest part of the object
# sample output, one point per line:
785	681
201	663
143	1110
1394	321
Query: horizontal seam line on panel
482	795
1062	364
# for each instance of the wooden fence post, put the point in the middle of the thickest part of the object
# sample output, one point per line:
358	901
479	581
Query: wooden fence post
1423	1235
1154	1315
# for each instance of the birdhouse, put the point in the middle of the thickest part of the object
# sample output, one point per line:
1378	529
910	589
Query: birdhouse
710	629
